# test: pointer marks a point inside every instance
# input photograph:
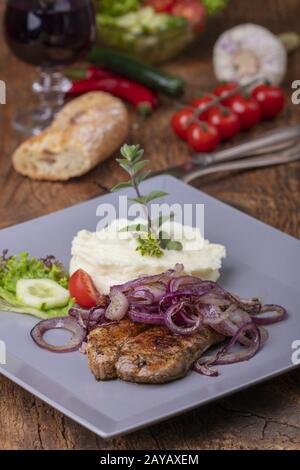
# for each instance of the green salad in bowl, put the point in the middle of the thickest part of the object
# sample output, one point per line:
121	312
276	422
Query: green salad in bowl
153	30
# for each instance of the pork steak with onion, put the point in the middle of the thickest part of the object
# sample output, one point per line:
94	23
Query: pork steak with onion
104	346
158	356
138	353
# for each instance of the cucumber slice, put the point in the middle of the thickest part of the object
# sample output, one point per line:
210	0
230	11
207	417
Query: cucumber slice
41	293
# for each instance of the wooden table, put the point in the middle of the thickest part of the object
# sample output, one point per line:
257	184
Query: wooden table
263	417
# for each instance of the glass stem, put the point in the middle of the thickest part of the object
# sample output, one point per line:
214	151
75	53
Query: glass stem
50	87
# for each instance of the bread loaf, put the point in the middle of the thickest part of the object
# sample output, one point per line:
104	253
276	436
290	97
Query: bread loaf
84	133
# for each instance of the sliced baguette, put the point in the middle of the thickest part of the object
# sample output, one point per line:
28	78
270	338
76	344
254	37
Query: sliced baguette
84	133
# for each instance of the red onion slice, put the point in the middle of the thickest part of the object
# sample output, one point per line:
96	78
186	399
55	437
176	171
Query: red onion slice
145	317
96	318
207	370
80	314
188	319
178	329
180	295
182	281
158	290
269	320
223	326
141	296
251	306
118	306
238	318
146	280
264	335
224	356
65	323
88	318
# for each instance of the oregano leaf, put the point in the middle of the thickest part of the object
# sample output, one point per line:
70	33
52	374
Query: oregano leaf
174	245
134	228
140	200
132	153
124	185
164	239
164	218
142	176
155	195
136	167
126	166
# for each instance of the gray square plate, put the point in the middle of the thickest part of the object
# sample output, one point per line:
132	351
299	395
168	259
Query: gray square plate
261	261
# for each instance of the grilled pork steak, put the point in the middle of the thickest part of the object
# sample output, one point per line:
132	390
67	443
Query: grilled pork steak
104	345
158	356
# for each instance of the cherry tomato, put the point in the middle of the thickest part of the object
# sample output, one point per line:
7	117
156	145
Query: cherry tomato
225	121
193	11
82	288
160	6
223	89
270	99
180	121
200	103
247	110
203	137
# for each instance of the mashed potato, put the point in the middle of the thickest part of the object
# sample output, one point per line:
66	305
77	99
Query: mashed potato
110	256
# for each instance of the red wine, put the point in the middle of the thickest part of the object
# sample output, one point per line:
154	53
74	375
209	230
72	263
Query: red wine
49	33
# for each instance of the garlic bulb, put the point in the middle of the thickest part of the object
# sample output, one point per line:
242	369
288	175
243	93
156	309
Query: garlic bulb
249	51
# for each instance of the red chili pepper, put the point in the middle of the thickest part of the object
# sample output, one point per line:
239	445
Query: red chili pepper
97	79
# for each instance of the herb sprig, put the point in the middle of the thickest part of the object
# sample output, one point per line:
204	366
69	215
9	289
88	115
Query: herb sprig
149	242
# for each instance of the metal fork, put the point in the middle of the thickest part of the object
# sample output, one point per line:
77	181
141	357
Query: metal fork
256	162
273	141
189	171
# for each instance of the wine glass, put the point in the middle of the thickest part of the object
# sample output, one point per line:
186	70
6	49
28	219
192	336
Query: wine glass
49	34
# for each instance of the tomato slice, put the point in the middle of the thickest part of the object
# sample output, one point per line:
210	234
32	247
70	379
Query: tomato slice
160	6
193	11
82	289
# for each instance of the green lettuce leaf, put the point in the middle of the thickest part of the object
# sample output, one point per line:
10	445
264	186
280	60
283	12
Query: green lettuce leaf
43	314
23	266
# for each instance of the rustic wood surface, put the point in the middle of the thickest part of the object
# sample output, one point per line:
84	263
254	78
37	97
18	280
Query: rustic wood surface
263	417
